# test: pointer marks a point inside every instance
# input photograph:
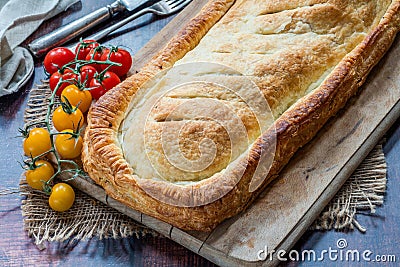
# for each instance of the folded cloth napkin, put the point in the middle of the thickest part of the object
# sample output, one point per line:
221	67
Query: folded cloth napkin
18	20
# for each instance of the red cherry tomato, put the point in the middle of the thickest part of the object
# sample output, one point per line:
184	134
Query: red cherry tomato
95	54
117	55
100	85
83	48
87	74
57	58
55	77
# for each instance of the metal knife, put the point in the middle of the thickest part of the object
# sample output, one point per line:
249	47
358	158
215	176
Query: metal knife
67	32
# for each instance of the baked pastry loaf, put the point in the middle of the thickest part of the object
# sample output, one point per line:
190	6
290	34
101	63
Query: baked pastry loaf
193	143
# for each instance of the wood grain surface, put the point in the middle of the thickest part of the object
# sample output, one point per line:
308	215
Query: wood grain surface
16	249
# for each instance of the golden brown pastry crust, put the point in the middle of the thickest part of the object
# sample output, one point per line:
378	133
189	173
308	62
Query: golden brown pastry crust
105	163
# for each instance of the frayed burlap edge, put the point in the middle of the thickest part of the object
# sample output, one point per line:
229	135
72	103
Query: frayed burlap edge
86	219
90	218
363	191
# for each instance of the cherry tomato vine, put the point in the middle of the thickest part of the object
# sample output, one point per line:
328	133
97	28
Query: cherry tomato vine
88	75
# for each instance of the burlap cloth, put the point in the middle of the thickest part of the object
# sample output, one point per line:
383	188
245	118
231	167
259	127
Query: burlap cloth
90	218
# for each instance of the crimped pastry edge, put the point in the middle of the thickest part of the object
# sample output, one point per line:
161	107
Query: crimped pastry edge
104	161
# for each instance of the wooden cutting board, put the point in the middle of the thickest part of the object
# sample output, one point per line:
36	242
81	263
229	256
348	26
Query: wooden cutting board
279	217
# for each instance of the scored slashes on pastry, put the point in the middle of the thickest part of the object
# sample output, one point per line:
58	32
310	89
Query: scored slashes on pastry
190	141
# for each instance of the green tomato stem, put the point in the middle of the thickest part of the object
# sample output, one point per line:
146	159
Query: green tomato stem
77	171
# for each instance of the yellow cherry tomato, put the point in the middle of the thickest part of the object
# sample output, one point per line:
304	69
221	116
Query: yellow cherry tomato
79	98
63	120
62	197
37	142
39	175
67	146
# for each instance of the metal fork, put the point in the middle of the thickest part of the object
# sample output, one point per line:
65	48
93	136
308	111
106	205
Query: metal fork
161	8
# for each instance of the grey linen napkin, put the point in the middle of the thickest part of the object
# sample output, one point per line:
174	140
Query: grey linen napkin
18	20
